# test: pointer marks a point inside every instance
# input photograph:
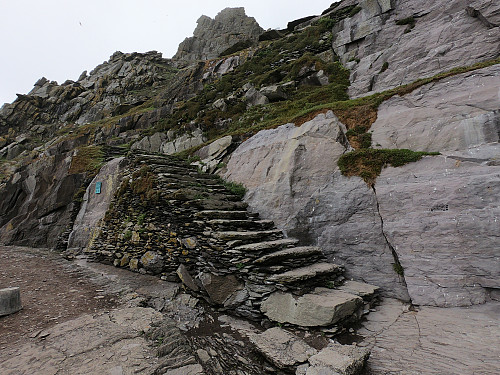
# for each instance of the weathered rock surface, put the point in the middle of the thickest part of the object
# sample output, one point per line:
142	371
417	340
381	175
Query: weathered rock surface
37	201
323	307
455	113
170	143
441	215
337	359
444	36
292	177
213	36
282	348
432	340
95	205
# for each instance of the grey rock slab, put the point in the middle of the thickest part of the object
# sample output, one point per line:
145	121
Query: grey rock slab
441	216
291	253
267	245
338	359
282	167
432	340
362	290
273	93
220	288
246	235
94	206
187	370
10	301
282	348
322	308
455	113
306	273
254	97
186	278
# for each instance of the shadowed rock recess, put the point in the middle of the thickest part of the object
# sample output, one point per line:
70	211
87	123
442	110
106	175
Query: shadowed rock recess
317	200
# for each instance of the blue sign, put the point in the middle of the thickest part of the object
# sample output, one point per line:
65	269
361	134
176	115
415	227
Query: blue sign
98	187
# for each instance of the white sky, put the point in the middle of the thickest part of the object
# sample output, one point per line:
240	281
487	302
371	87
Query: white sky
59	39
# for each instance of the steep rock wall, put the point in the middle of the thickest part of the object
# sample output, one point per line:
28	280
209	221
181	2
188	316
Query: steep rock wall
431	37
446	262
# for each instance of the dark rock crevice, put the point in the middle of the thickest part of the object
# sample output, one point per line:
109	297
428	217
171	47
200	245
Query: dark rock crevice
398	268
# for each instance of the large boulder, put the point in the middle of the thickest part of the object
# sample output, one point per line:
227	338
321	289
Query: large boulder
324	307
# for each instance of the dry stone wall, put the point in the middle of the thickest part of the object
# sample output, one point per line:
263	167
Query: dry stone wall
169	220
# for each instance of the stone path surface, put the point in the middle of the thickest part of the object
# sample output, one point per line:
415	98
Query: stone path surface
82	318
433	340
82	332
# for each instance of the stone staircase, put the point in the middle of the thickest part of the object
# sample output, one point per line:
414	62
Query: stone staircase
194	228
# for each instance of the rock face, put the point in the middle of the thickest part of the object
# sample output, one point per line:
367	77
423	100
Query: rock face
95	204
113	87
441	215
415	39
37	201
457	113
213	36
292	177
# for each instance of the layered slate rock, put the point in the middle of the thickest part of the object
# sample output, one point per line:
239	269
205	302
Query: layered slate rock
414	39
214	36
170	220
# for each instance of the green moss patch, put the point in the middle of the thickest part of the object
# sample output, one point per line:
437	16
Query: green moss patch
368	163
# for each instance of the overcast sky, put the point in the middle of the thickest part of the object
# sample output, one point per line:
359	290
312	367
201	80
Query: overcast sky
59	39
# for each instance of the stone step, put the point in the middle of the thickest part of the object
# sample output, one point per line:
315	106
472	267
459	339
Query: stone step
267	246
320	308
363	290
241	224
307	273
247	235
293	252
219	205
218	214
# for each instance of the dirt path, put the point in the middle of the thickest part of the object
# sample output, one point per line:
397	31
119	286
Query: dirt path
52	291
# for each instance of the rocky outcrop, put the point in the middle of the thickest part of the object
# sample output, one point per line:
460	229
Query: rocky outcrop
37	201
292	177
213	36
390	43
115	86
